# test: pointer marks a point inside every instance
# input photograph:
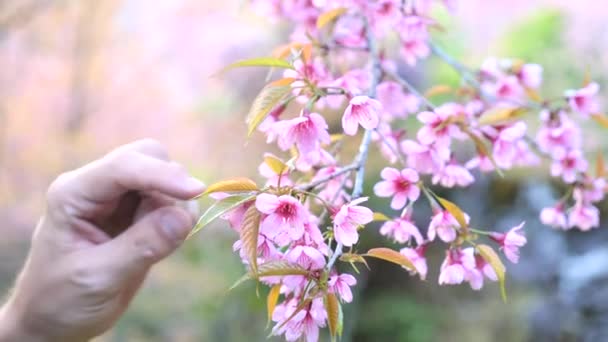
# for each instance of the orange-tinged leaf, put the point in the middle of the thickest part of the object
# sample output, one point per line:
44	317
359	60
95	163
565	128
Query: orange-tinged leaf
601	119
329	16
307	53
240	184
250	229
284	50
533	95
481	148
600	166
390	255
272	299
454	210
332	306
500	115
587	78
275	164
259	62
439	89
282	82
380	217
490	256
266	101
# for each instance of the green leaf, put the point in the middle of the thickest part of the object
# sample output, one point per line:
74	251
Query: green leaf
267	100
332	306
275	164
380	217
279	268
239	184
490	256
218	209
249	236
390	255
259	62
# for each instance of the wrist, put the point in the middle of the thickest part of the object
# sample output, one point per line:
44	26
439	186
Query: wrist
13	327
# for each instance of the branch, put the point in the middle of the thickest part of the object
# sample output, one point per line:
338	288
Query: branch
410	88
312	185
361	159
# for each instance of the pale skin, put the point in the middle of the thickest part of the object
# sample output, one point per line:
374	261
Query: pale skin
104	226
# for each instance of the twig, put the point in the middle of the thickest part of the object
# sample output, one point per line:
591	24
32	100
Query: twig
312	185
361	158
410	88
391	147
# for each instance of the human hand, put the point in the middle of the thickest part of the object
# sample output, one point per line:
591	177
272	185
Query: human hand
105	225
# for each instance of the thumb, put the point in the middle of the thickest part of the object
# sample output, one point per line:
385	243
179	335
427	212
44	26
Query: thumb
152	238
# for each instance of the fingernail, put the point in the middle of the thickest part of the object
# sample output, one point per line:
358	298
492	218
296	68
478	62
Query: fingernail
194	185
173	227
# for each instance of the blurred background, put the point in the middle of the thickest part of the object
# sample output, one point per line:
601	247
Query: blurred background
78	78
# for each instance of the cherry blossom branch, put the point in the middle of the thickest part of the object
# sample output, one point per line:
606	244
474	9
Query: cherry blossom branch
410	88
361	159
312	185
391	147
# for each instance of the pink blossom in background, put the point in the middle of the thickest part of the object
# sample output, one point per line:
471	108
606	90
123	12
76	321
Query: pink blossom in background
584	101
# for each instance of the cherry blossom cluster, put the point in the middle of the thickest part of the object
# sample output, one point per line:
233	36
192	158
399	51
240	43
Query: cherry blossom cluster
341	63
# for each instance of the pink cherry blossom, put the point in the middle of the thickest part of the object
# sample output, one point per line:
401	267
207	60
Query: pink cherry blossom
348	219
444	225
363	111
308	257
414	38
401	229
416	256
584	217
511	242
591	190
425	158
341	284
307	132
401	185
558	134
452	175
584	100
350	31
569	165
305	323
505	149
396	103
284	214
505	87
531	75
439	125
482	270
455	266
554	216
